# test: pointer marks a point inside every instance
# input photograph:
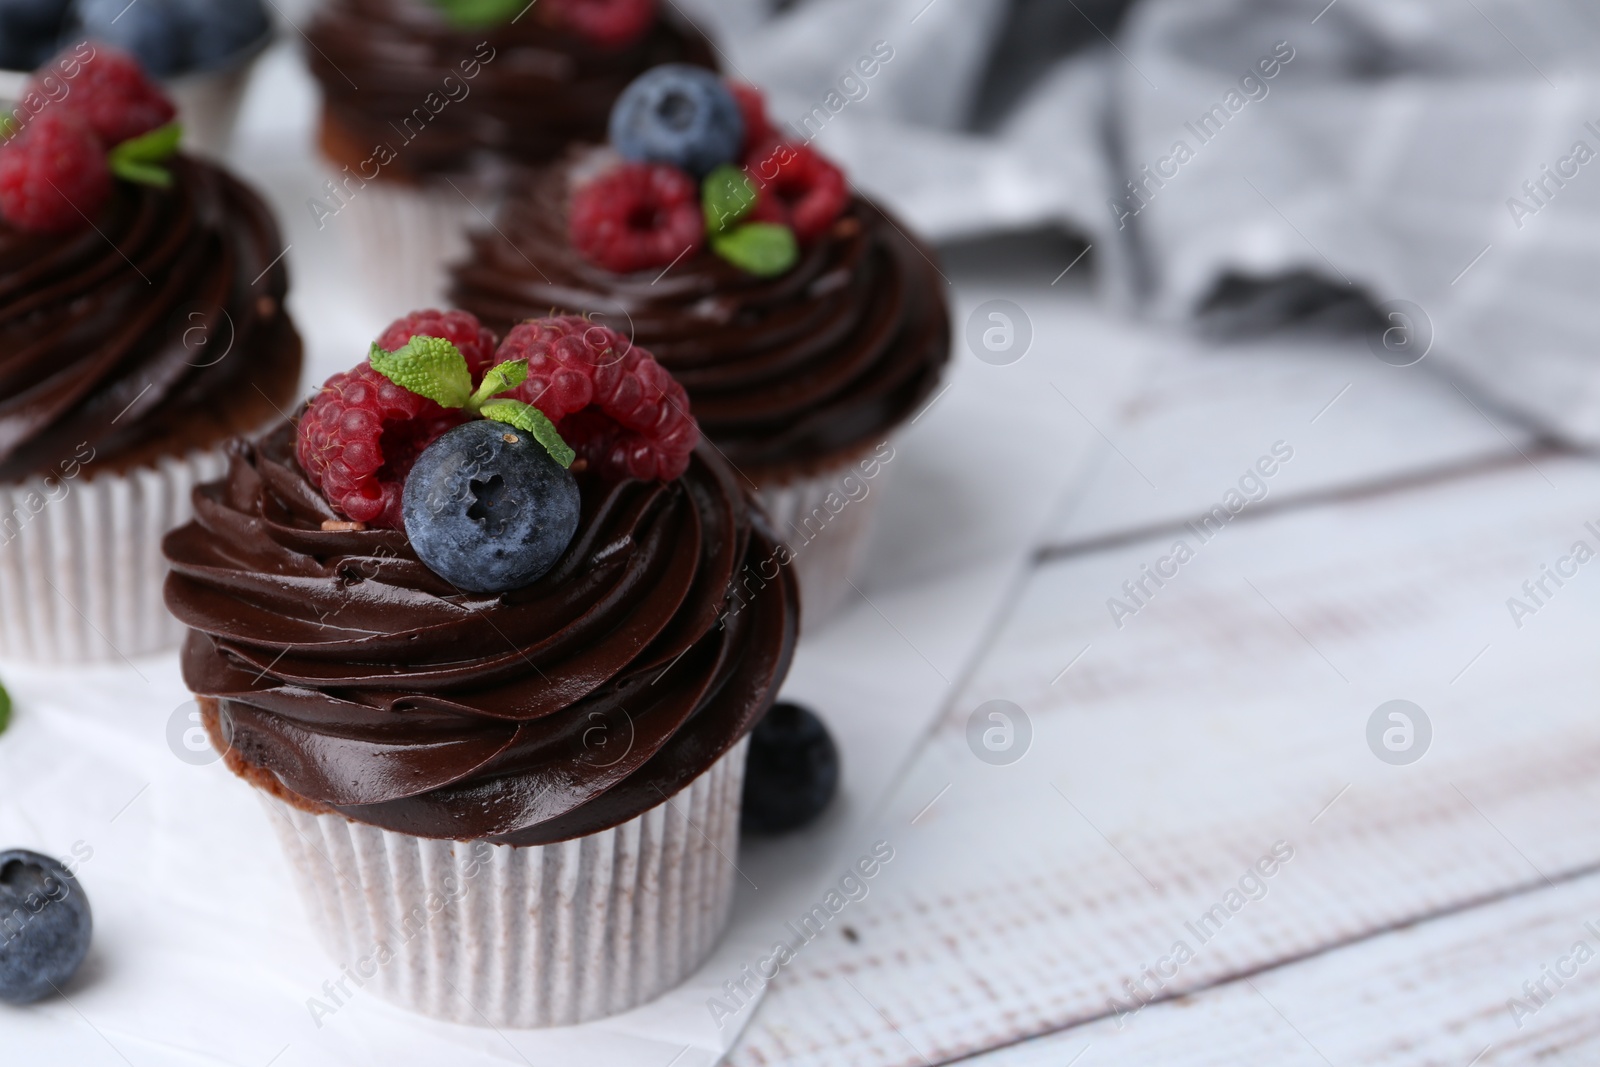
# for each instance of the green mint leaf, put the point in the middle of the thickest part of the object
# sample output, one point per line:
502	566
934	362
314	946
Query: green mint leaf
10	126
157	146
765	249
142	173
531	420
139	159
5	709
497	379
473	14
428	366
726	196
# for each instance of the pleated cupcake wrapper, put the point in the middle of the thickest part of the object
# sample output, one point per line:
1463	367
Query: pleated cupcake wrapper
81	568
406	237
493	935
826	531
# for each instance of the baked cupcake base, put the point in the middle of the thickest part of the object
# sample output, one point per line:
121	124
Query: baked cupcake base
826	516
509	937
81	563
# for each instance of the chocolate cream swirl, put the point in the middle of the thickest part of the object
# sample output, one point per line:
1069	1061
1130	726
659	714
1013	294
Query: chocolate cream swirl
150	324
395	73
783	373
361	682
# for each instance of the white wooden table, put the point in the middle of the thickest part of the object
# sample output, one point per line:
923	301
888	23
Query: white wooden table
1226	717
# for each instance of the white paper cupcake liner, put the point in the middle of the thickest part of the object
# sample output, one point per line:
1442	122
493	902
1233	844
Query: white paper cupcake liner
405	238
81	567
553	935
826	519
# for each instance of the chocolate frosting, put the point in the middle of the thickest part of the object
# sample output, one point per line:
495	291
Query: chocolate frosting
162	311
365	684
534	89
781	372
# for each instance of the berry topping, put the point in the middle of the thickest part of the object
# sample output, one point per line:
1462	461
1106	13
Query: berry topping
461	328
753	110
53	175
47	929
793	771
607	23
488	509
610	399
28	31
359	439
679	115
811	191
638	216
110	90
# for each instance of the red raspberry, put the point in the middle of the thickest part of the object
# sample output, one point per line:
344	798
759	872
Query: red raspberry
637	216
610	399
753	109
110	90
811	190
359	438
460	328
608	23
53	176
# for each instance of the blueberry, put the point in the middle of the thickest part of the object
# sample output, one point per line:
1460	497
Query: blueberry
155	31
793	770
677	114
44	926
29	30
487	509
219	29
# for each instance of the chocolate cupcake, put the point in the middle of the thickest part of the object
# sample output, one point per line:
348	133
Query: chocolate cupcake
516	805
803	321
142	325
427	105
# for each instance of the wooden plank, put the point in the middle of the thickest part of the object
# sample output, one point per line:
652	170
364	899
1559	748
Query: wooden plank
1482	988
1229	714
1212	412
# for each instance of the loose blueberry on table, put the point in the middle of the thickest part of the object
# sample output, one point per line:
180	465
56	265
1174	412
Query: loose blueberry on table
47	926
702	164
468	446
793	771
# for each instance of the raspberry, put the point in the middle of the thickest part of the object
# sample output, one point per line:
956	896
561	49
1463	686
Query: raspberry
612	402
111	92
753	109
460	328
811	190
608	23
53	176
359	438
637	216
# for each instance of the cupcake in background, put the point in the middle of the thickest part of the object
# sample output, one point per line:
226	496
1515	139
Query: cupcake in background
202	50
141	325
452	95
492	661
803	321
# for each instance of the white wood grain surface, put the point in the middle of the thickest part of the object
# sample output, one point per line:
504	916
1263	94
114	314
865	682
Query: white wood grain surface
1226	716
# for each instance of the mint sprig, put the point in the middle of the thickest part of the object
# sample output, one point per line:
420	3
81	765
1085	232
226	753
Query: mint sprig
139	159
765	249
726	196
531	420
5	709
475	14
435	368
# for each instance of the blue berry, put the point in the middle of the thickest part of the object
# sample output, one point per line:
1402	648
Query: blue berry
219	29
793	770
155	31
45	926
680	115
29	30
487	509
